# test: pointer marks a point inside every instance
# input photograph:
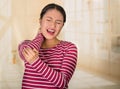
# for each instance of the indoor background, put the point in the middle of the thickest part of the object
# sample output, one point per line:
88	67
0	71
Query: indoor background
93	25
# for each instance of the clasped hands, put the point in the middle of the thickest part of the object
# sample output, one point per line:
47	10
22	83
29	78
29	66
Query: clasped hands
30	54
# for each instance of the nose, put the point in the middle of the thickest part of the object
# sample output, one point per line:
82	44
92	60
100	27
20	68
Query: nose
53	24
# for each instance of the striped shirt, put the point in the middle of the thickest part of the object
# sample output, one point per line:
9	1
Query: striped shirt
54	67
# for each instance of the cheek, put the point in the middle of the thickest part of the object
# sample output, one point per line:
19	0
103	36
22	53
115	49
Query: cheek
43	25
59	29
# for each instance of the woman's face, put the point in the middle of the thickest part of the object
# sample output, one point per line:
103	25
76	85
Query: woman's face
51	24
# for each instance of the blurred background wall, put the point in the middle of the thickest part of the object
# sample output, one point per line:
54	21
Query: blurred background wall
93	25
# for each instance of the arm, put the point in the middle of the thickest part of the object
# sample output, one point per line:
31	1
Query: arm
35	43
58	78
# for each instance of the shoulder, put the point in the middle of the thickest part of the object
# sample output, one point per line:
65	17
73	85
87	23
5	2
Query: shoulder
68	45
69	49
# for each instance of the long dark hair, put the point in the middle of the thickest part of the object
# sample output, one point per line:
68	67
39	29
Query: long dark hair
53	6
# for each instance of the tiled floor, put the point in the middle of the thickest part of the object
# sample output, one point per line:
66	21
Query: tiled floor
85	80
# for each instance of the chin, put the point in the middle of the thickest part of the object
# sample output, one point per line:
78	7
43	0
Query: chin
49	38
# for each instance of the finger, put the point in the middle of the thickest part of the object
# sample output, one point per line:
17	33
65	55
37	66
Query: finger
25	51
36	51
25	54
29	51
32	53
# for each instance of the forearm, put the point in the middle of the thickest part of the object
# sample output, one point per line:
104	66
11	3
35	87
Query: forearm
37	41
57	78
62	77
33	44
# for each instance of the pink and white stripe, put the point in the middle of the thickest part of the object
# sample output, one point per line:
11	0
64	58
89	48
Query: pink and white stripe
54	67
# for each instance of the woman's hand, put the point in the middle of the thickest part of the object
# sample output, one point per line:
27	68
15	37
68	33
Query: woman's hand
30	54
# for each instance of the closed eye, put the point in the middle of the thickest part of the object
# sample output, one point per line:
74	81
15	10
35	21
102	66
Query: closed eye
58	22
48	19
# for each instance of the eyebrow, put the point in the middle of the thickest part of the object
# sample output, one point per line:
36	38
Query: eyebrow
56	20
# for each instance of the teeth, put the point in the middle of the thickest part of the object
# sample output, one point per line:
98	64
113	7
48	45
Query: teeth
51	30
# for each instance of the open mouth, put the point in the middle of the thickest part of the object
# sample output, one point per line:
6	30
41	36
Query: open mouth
51	31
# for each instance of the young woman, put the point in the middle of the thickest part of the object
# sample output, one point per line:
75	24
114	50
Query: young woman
49	62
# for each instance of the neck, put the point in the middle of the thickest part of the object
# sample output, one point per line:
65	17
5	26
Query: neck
50	43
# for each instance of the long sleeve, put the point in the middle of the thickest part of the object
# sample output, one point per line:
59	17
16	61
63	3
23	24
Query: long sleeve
58	78
35	43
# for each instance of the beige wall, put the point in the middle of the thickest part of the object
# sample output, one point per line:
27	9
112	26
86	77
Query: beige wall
19	20
93	25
